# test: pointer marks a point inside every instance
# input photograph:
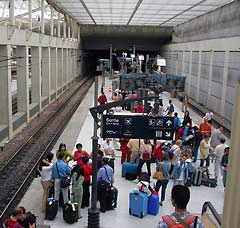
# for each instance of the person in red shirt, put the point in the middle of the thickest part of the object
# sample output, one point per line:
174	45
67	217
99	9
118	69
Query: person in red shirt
158	152
180	133
12	222
79	154
102	99
139	108
86	184
126	153
205	127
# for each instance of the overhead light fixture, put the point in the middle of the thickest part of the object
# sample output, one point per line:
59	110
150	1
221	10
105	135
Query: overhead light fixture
132	56
161	62
141	57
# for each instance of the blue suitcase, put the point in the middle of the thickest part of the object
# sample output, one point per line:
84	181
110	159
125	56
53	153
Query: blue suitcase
138	204
129	168
153	205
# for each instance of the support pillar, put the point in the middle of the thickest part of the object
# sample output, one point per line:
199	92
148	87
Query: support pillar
190	73
46	73
42	16
5	89
22	80
60	70
224	83
69	66
30	14
12	12
51	26
64	29
53	80
66	76
231	209
110	63
183	63
210	78
176	73
59	28
36	76
199	75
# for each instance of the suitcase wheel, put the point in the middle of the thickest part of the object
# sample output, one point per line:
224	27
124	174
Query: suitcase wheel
141	216
130	211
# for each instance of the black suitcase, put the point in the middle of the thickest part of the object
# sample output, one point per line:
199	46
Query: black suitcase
70	212
51	209
197	176
130	176
211	182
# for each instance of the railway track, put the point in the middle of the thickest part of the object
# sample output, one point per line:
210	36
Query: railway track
17	174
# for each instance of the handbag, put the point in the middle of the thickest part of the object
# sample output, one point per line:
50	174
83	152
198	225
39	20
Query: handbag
64	181
104	185
158	175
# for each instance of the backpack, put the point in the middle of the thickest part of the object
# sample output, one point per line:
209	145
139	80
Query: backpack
173	224
171	108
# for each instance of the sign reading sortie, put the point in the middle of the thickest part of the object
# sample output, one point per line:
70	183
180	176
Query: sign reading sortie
128	126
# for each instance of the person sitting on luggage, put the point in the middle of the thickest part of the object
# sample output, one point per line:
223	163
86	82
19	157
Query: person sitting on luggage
107	193
80	153
12	222
46	178
86	183
163	167
180	197
60	169
27	220
67	154
180	171
77	175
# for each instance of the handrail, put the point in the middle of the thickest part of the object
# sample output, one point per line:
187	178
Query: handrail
209	205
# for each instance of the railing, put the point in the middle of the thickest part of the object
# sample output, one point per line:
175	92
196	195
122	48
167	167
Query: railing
208	205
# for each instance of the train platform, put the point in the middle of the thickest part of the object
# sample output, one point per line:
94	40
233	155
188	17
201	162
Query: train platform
80	130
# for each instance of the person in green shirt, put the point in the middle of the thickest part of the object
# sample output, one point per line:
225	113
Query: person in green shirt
67	154
77	175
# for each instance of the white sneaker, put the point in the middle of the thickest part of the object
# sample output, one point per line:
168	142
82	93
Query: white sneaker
135	181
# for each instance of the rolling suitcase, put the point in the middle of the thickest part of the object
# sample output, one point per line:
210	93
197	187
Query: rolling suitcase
138	204
70	212
51	209
129	168
197	176
153	205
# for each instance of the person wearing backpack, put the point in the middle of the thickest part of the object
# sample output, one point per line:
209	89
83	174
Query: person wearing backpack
170	108
176	124
181	218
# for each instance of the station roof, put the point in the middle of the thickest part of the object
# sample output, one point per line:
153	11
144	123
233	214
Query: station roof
137	12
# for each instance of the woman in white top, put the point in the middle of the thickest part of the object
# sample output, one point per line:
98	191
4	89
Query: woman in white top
46	178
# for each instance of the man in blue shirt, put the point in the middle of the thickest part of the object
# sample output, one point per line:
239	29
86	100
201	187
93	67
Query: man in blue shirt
60	169
107	194
180	198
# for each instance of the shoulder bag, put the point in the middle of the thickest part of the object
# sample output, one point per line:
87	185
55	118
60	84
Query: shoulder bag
104	185
64	181
158	175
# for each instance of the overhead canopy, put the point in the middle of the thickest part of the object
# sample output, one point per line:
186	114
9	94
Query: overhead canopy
137	12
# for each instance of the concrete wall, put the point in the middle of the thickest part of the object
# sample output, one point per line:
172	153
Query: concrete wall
220	23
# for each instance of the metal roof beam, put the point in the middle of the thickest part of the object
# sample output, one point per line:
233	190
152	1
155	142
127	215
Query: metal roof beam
89	13
183	12
134	11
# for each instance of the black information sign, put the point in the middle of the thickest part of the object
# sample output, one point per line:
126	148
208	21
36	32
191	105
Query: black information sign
137	127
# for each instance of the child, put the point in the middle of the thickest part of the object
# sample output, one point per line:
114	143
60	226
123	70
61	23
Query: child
77	175
180	171
224	163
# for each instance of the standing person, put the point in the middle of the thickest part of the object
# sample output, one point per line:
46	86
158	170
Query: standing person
224	164
67	154
105	174
46	178
161	110
205	127
102	99
161	98
216	136
176	124
180	197
176	152
77	175
126	153
12	222
116	97
204	151
157	153
163	167
87	168
184	102
180	171
197	138
186	119
209	116
145	156
139	108
80	153
217	157
170	108
134	146
60	169
108	148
